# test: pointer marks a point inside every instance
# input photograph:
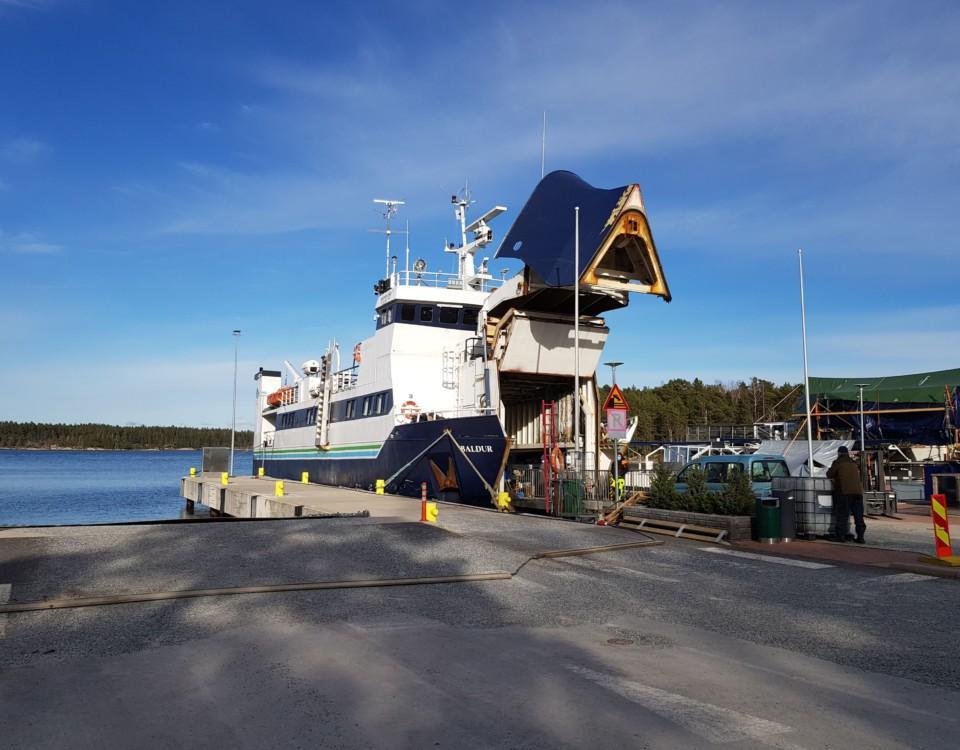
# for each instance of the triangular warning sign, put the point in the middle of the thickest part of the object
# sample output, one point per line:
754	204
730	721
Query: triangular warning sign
615	399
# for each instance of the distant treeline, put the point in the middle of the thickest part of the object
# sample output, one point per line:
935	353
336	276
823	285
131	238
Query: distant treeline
114	437
665	411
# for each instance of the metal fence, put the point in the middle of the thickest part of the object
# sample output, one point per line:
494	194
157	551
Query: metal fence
572	493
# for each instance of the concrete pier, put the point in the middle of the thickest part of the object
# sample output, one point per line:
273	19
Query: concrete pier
253	497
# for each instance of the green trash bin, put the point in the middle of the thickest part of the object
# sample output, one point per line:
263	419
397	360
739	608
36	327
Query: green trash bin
572	497
768	520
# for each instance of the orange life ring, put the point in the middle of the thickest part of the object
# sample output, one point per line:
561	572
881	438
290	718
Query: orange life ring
357	354
556	459
410	410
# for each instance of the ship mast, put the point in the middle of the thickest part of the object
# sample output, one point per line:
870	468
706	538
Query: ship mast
482	236
390	209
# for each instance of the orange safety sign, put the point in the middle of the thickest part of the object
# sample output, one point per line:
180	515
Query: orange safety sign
941	528
615	399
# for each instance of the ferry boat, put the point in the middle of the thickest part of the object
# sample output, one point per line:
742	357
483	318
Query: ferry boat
467	376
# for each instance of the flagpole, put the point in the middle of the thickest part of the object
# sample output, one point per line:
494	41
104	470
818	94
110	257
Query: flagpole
806	375
576	337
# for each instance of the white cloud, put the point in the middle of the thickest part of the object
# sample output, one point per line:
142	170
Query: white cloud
23	150
612	79
33	4
26	243
186	391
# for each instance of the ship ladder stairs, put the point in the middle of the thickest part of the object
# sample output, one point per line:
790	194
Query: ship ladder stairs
322	439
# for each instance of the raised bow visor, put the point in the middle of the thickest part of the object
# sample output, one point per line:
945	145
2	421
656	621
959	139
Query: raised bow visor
617	250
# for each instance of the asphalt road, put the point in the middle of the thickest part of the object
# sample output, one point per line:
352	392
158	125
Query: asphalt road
678	645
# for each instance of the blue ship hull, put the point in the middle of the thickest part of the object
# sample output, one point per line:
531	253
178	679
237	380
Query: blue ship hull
448	473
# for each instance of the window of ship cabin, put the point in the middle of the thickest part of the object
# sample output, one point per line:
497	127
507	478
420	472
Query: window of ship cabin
426	314
389	315
408	313
366	405
449	315
351	407
470	317
378	406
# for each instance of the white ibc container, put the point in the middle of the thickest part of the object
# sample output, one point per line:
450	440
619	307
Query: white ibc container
813	503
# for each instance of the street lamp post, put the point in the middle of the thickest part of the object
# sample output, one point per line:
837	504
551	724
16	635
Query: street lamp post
233	428
616	451
863	455
861	386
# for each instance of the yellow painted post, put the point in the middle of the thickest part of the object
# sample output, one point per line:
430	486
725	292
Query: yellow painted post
224	478
278	488
380	486
503	502
193	471
305	477
431	513
260	472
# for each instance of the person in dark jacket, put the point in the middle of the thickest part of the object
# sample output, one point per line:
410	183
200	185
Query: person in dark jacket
847	496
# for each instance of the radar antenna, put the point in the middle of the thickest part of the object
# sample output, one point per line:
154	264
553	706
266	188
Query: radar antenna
482	236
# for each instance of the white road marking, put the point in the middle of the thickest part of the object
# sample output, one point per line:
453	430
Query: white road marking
843	688
712	723
609	567
767	558
4	598
904	578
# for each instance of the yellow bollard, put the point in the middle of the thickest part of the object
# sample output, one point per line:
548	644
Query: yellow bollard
380	486
278	488
260	472
224	478
305	477
503	502
193	471
431	513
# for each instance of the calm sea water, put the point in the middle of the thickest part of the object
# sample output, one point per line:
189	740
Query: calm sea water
74	487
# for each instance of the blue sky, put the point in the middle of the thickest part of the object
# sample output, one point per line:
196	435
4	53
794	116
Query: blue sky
171	171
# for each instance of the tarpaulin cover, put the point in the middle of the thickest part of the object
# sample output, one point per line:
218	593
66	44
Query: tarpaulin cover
891	406
542	235
890	389
796	454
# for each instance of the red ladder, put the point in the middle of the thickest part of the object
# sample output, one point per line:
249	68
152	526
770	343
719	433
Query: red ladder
548	436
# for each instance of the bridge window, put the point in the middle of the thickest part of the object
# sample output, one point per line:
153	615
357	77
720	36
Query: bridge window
449	315
426	314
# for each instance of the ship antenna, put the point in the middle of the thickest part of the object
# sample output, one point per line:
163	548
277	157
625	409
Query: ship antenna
407	266
543	145
390	208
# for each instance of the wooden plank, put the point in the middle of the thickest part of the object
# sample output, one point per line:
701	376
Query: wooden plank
614	516
676	529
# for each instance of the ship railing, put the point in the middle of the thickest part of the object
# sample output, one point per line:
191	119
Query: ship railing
345	379
442	280
427	415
